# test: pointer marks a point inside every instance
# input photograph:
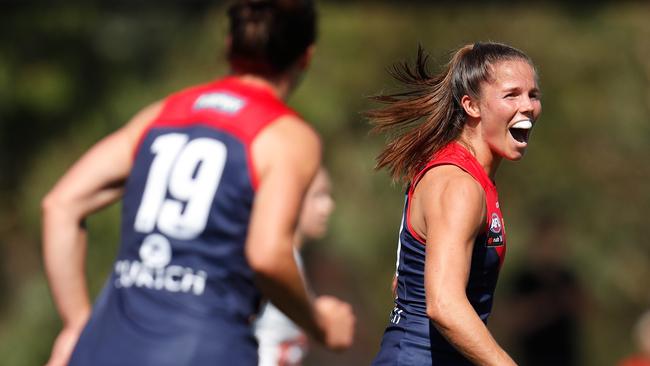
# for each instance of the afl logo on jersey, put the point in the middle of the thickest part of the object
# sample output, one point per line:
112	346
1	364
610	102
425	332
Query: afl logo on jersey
495	224
220	101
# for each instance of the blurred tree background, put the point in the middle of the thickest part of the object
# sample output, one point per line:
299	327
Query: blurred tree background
71	73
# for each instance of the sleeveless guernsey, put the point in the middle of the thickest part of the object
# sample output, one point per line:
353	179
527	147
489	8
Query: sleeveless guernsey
181	291
410	337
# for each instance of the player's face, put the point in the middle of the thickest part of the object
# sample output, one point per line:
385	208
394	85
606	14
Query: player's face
509	106
317	207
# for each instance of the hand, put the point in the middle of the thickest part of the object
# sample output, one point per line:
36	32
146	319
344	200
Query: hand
337	322
63	346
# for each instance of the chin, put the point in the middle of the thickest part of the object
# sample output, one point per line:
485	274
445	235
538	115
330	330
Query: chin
315	233
514	154
518	156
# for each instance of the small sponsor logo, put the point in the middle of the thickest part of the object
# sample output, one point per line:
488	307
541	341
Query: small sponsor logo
154	272
495	241
223	102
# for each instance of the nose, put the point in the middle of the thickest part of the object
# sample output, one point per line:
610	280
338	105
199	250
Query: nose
527	106
327	205
331	205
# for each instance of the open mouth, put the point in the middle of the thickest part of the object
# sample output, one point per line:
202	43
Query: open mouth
520	131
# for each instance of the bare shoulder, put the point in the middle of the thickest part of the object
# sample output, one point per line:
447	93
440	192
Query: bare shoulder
291	132
142	119
452	181
451	193
288	140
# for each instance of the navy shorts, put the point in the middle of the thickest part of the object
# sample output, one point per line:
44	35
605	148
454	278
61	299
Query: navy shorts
111	337
412	340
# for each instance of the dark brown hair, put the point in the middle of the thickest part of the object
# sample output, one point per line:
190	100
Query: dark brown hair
268	36
428	115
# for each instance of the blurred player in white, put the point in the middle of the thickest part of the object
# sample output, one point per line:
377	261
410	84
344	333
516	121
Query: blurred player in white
281	341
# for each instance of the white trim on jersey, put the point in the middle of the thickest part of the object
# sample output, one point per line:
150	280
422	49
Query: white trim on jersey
399	239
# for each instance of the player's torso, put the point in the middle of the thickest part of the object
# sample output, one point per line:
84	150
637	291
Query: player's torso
181	268
487	256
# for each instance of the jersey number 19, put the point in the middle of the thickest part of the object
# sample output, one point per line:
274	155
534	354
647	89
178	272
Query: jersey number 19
190	171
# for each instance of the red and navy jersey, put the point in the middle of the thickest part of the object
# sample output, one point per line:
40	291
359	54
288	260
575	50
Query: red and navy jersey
410	336
182	292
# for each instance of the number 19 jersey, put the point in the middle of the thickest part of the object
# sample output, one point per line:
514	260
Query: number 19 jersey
182	292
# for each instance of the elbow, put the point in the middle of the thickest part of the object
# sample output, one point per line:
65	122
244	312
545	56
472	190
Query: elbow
257	263
56	207
51	203
438	309
272	260
434	311
262	263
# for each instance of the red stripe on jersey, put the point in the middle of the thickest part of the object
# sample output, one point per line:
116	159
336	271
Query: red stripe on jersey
457	155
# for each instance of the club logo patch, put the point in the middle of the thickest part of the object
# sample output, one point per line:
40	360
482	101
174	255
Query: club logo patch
495	224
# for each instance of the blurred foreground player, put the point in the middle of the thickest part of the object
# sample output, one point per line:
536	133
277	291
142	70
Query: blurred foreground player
450	133
281	341
212	180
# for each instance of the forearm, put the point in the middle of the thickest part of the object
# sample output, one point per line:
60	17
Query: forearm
282	282
461	326
64	250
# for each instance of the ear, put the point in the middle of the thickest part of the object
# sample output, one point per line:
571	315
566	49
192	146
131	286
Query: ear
228	44
470	106
307	56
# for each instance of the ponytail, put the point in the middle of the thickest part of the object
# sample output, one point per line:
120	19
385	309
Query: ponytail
268	36
428	115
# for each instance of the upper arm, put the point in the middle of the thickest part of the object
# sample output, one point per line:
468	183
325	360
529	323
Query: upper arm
453	206
97	178
286	156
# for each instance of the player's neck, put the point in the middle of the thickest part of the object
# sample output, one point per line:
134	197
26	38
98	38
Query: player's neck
279	86
481	151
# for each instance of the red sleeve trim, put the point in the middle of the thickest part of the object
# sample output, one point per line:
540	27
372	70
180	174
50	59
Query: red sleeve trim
251	166
145	131
411	190
408	218
414	184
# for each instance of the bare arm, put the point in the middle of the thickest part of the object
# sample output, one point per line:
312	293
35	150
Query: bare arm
287	156
455	202
93	182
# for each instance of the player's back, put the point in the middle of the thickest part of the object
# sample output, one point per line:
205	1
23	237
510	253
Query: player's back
182	291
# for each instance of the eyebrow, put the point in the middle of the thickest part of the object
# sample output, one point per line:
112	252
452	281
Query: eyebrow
518	89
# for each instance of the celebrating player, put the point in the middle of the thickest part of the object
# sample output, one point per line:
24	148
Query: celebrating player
451	131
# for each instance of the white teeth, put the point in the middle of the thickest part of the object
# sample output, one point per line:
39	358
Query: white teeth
525	124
